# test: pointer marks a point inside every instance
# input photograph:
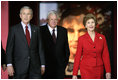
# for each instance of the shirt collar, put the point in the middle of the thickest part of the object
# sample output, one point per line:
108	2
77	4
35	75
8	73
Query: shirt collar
25	24
51	28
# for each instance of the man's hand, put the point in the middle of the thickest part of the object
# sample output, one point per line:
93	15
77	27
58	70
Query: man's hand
108	75
4	67
74	77
42	70
10	70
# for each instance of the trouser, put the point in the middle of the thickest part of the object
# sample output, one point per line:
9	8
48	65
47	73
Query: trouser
30	74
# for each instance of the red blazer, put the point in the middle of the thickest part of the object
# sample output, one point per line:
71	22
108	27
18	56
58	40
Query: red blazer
91	53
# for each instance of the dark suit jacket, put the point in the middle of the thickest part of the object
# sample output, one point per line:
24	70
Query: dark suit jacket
20	55
3	55
56	55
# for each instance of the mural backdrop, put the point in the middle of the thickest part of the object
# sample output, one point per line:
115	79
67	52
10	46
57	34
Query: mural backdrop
71	17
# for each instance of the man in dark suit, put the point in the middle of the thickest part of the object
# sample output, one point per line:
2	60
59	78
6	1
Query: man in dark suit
25	56
56	47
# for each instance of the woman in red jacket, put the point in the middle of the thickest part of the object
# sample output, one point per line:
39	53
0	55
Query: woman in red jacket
92	54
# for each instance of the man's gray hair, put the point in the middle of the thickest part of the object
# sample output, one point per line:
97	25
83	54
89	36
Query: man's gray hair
53	12
26	7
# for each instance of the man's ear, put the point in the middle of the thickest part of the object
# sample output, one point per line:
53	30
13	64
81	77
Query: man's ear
47	20
32	17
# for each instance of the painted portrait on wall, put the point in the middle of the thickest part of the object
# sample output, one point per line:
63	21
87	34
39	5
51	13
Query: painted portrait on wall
71	17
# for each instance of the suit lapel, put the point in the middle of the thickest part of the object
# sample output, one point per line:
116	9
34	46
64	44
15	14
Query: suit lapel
90	40
48	33
58	34
32	34
50	36
22	34
96	38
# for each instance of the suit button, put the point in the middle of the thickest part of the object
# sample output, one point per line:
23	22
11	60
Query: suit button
94	46
28	57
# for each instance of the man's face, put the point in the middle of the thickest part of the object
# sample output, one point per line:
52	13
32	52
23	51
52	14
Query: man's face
75	29
52	20
26	15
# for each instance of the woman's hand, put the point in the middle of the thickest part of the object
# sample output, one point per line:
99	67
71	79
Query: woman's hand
74	77
108	75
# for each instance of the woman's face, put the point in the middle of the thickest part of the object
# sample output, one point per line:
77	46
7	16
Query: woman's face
75	30
90	25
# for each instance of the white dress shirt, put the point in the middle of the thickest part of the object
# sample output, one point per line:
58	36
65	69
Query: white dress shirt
24	28
51	30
